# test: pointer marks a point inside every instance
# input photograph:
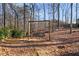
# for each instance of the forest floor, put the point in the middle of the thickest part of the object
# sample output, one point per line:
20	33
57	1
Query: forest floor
61	43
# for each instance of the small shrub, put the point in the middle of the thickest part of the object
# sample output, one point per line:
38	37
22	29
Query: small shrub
4	33
7	32
17	33
1	35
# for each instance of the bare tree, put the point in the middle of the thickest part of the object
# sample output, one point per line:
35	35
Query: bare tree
33	10
76	13
32	16
4	12
44	13
38	12
71	19
53	17
24	18
16	15
58	15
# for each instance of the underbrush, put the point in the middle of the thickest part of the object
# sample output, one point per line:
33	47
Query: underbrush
7	32
16	33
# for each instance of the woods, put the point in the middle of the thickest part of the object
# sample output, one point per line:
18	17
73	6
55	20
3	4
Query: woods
46	28
59	15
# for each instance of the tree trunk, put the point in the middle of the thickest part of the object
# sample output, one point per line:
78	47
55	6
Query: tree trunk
53	19
58	15
44	14
4	13
71	19
24	20
76	14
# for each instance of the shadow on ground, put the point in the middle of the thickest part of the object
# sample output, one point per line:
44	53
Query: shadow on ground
36	44
71	54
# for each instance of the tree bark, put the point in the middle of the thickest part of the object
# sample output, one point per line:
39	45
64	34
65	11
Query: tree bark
58	15
4	13
71	19
24	18
53	19
44	14
76	14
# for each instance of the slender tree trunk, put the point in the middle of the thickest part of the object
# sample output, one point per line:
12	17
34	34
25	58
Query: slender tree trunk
24	19
4	13
10	20
65	18
38	17
44	11
71	19
76	14
44	14
17	22
62	16
30	24
53	18
32	16
58	15
33	6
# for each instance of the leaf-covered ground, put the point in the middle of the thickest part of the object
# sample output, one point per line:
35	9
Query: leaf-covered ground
62	43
